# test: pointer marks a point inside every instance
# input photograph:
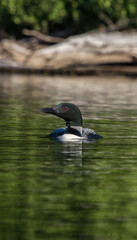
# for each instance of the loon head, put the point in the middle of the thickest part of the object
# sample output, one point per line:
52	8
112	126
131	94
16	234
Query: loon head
68	111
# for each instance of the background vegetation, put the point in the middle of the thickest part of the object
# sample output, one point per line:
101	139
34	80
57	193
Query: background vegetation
74	16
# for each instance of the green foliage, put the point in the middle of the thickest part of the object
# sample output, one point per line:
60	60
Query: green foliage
78	15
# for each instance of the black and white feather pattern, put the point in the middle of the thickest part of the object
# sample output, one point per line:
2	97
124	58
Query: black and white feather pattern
87	134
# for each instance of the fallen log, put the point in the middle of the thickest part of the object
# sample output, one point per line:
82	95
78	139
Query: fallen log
90	49
91	52
42	37
12	51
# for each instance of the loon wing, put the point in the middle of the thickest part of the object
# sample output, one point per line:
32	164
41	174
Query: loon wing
57	133
90	135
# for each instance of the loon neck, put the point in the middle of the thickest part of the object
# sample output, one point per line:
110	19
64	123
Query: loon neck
77	122
75	126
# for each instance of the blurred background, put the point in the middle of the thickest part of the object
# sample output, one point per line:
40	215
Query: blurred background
87	35
66	17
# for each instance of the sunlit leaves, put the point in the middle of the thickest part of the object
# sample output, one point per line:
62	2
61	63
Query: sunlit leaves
80	15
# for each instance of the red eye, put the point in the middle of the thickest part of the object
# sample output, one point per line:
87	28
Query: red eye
65	108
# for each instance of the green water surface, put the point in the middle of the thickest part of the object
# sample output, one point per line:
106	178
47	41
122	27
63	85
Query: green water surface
63	191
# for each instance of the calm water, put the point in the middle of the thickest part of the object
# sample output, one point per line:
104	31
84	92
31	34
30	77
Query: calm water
52	190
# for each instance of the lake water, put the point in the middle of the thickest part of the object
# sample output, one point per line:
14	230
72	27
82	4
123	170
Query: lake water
51	190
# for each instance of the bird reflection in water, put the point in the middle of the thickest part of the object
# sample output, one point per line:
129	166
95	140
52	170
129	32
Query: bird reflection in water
69	153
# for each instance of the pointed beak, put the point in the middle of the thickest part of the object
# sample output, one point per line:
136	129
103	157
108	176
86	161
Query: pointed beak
48	110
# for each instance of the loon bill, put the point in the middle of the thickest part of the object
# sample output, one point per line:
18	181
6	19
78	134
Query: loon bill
74	130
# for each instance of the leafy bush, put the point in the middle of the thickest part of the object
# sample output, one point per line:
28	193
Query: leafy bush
79	15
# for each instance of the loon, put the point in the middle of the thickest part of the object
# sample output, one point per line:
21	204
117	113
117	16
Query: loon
74	130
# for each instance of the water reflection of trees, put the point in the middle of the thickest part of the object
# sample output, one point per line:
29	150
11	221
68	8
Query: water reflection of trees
72	190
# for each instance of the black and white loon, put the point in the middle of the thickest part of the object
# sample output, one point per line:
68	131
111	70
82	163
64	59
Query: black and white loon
73	130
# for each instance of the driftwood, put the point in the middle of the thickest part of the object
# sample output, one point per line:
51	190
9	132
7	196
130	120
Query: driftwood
11	51
88	49
89	53
42	37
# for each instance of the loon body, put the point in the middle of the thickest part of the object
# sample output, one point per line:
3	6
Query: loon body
74	130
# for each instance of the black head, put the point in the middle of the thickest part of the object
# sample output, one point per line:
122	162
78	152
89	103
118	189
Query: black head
68	111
